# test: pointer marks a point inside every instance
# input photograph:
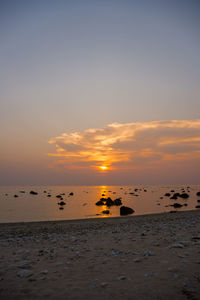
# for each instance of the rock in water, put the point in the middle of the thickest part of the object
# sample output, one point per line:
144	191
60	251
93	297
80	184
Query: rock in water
118	202
106	212
124	210
109	202
177	205
61	203
33	193
99	203
167	195
184	195
175	196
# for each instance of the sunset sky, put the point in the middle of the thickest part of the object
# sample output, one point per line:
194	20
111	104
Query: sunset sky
99	92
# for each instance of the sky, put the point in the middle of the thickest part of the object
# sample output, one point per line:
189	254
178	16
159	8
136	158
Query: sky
99	92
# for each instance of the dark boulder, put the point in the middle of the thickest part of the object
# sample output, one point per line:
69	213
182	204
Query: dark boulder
184	196
177	194
103	199
109	202
124	210
177	205
118	202
198	200
33	193
198	193
23	192
71	194
99	203
198	206
167	195
16	196
61	208
106	212
61	203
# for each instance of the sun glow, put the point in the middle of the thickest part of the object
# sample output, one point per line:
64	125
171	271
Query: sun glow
128	146
103	168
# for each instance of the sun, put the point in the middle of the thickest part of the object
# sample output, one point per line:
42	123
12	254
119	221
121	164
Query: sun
103	168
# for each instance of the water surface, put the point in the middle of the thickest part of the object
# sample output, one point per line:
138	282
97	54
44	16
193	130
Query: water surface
81	205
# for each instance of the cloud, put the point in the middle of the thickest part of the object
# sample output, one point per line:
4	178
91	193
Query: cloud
129	146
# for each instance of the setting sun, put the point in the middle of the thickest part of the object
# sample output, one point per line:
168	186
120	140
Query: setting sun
103	168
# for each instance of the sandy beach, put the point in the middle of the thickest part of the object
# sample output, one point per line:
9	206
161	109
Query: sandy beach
137	257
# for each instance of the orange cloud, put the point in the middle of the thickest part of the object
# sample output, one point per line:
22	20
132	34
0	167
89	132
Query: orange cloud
129	146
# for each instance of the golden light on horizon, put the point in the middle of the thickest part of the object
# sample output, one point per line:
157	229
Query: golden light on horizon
121	147
103	168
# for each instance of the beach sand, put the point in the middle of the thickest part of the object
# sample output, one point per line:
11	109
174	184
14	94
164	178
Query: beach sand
136	257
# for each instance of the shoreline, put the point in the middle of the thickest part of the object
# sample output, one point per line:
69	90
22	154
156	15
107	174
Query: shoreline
100	219
142	257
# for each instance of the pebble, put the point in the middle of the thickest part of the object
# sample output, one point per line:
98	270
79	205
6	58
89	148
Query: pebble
172	269
137	260
156	244
104	284
185	243
24	263
44	272
113	253
149	253
25	273
176	245
32	279
147	275
122	277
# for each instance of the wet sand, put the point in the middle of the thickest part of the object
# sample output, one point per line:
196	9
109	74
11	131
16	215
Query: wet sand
136	257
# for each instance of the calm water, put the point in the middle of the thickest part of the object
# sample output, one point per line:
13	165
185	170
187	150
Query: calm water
81	205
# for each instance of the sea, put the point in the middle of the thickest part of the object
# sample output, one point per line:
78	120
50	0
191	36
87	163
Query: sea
18	204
